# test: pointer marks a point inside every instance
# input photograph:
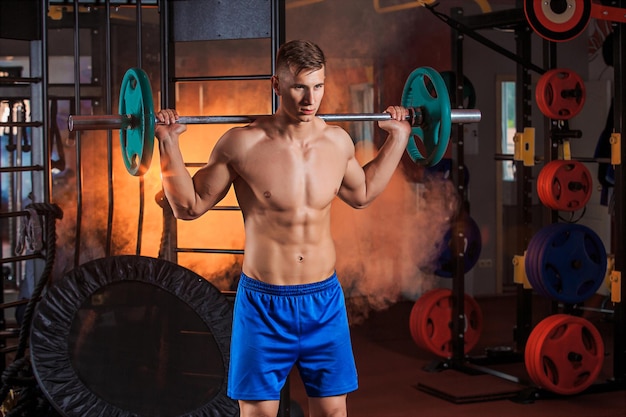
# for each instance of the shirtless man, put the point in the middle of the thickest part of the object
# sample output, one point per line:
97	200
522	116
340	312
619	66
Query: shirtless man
286	170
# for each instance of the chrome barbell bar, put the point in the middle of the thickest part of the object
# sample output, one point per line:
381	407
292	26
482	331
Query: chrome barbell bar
128	121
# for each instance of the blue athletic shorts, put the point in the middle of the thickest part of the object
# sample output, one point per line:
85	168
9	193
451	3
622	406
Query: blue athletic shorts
276	327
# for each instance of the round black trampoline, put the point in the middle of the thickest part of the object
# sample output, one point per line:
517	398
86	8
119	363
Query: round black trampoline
133	336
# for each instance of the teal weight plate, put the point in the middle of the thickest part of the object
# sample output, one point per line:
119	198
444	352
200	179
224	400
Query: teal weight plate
137	140
426	90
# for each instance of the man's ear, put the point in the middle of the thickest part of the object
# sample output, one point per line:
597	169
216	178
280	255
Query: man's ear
275	85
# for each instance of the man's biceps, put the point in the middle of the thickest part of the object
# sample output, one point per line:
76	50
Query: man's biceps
347	184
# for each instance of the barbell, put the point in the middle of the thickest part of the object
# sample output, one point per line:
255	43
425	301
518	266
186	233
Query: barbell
425	95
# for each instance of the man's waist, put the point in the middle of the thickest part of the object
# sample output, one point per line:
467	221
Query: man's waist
254	284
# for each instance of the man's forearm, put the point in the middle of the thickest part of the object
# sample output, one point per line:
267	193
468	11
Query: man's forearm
177	182
378	171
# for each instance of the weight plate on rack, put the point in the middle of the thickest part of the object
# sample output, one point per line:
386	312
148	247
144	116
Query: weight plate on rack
566	262
430	322
560	94
564	354
564	185
558	20
472	246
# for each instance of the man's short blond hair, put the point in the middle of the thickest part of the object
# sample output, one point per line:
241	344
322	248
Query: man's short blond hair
300	55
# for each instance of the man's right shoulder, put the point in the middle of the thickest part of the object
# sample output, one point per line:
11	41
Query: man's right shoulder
242	137
246	132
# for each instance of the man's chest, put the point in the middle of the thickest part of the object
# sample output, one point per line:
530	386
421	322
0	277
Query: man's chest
289	177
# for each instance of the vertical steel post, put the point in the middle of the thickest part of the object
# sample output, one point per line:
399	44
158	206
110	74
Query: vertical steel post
170	230
619	226
458	177
78	146
108	73
524	182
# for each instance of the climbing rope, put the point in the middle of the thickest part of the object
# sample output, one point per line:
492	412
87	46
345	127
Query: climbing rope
20	394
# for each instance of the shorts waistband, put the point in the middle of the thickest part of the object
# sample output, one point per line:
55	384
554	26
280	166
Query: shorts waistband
287	290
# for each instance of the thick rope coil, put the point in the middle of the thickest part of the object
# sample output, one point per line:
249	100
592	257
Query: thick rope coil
20	372
30	234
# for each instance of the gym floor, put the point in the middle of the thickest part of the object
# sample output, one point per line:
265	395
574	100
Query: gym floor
391	366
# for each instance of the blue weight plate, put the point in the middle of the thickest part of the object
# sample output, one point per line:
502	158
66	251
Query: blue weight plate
427	91
444	169
137	140
530	255
569	261
536	247
471	251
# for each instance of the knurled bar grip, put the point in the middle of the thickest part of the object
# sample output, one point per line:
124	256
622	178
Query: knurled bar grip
119	121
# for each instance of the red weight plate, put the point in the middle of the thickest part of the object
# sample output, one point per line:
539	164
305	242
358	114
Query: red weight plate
558	20
435	326
566	355
572	186
420	315
560	94
414	318
538	333
430	322
545	187
558	16
417	314
572	355
533	346
544	183
564	185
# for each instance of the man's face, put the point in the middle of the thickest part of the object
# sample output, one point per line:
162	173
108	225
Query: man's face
301	95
